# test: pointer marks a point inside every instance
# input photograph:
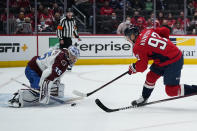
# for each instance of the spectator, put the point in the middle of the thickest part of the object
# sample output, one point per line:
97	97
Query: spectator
56	21
55	9
181	20
114	23
141	23
178	30
27	28
161	4
190	8
193	26
149	24
171	20
14	5
3	15
19	23
194	3
31	15
40	10
136	15
23	3
128	4
161	17
47	16
138	4
148	6
152	16
114	4
106	9
22	10
43	27
156	21
165	24
122	26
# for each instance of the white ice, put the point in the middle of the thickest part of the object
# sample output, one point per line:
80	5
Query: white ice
177	115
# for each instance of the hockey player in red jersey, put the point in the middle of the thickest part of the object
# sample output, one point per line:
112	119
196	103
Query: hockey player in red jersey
154	44
43	73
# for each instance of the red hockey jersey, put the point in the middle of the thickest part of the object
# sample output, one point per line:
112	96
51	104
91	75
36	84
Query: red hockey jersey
154	44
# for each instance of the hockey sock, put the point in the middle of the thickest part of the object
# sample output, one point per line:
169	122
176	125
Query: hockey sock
189	89
147	89
146	92
149	85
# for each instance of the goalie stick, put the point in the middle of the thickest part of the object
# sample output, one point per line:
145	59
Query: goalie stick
106	109
78	93
52	97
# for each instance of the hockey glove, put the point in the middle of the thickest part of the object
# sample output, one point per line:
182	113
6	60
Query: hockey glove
132	69
139	102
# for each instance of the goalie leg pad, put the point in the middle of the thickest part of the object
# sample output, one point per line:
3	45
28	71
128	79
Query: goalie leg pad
24	97
58	90
45	90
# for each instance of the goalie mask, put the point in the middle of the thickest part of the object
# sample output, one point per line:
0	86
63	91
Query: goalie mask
73	54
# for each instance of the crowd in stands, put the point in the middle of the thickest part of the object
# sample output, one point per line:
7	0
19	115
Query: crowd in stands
22	16
109	18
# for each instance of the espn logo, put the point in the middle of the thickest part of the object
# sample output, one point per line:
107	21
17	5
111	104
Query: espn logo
9	47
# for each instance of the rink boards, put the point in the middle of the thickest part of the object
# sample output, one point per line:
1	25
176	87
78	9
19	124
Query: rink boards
94	49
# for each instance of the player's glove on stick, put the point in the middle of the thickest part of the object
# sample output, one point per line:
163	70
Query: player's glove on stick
139	102
132	69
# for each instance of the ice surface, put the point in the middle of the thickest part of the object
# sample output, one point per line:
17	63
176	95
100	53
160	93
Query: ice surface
177	115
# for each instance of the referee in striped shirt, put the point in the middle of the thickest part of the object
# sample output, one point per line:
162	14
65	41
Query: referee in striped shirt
67	29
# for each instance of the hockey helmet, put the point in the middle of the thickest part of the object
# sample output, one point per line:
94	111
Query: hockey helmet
74	51
132	30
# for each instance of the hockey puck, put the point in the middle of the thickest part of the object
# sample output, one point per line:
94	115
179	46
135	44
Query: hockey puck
73	104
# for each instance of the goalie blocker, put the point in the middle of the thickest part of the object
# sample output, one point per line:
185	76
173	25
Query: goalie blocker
44	73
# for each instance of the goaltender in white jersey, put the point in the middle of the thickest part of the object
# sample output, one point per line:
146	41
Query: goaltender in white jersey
43	73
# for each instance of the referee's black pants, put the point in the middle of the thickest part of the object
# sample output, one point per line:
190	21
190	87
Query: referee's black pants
67	42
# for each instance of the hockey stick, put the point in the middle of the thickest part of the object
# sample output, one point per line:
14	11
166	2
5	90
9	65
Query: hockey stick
78	93
52	97
106	109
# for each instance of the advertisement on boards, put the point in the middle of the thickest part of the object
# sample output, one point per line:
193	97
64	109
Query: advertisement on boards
17	48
